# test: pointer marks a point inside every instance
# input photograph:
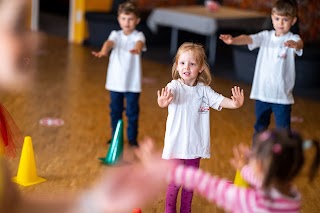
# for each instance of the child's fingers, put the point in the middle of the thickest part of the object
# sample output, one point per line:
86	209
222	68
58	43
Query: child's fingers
167	92
237	94
161	93
235	90
233	163
145	148
233	98
223	36
134	51
147	144
244	149
236	153
96	54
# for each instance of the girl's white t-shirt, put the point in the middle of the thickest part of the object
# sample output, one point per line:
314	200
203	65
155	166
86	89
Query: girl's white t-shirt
124	70
188	123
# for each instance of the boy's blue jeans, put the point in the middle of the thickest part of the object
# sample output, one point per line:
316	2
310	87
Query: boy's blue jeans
263	111
132	112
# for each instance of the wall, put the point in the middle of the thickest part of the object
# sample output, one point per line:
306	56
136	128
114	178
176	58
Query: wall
309	16
150	4
98	5
28	14
78	31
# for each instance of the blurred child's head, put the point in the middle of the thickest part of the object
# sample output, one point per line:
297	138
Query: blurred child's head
16	46
284	16
128	16
198	63
279	153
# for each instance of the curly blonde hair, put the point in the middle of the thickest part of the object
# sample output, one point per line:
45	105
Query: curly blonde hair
200	56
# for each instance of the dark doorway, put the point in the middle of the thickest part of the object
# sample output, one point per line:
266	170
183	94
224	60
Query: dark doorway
54	17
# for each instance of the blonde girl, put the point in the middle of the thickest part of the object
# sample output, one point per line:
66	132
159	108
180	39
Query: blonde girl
189	99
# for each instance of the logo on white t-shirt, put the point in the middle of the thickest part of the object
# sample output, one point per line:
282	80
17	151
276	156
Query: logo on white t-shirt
283	52
204	106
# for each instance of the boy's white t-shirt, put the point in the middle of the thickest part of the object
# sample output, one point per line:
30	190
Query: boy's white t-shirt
274	75
124	70
188	123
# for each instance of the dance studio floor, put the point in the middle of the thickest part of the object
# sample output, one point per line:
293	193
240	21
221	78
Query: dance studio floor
69	85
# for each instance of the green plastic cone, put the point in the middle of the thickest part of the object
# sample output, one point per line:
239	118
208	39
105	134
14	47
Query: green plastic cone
116	147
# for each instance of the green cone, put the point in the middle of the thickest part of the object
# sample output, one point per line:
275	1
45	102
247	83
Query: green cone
116	147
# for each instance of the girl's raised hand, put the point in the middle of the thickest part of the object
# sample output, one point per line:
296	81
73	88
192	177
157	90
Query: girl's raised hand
240	158
237	96
164	97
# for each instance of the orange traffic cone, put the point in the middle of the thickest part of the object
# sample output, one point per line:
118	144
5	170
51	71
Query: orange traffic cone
27	173
239	181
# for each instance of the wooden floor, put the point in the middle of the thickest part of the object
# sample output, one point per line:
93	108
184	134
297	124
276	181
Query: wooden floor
69	84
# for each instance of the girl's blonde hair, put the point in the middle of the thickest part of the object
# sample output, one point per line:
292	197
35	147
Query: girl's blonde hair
200	56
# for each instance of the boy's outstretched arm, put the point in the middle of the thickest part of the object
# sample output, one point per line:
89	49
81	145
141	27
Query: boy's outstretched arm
298	45
137	48
107	46
236	100
238	40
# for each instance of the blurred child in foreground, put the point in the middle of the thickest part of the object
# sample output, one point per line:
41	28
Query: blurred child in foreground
270	167
118	191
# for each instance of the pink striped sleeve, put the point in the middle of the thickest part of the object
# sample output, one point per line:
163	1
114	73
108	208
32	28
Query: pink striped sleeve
248	174
230	197
214	189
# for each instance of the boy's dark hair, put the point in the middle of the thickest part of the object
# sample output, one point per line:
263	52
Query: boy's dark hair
129	6
285	8
281	152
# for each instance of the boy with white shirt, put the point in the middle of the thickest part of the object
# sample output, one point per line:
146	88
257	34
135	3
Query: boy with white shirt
124	70
274	75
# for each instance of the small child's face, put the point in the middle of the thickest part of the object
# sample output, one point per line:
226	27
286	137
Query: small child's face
188	68
128	22
282	24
